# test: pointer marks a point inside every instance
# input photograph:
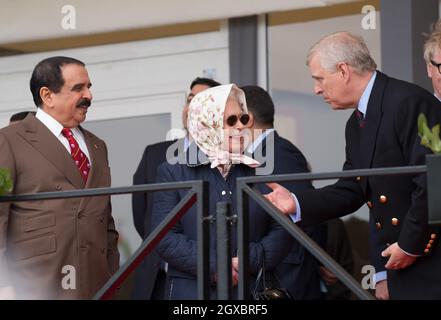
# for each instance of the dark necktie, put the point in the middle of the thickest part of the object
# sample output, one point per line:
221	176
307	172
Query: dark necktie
78	156
361	118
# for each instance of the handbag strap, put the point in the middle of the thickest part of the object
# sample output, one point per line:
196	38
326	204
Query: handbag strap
261	273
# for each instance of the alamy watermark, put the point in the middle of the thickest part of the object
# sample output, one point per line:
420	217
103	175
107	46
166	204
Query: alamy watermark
368	281
69	281
69	17
185	151
369	19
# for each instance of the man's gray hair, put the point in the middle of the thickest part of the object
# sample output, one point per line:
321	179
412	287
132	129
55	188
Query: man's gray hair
342	47
433	42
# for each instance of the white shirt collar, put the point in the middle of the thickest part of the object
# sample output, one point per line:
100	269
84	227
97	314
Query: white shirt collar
363	103
53	125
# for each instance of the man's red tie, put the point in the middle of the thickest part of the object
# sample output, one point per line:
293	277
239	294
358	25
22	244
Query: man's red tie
361	118
77	155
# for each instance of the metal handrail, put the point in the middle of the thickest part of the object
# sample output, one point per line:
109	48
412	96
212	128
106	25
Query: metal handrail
335	174
98	191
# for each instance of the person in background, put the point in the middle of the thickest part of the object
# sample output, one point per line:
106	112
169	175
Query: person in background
432	56
149	280
20	116
298	272
337	244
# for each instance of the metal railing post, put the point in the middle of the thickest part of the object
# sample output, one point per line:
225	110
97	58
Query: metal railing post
433	162
243	242
223	251
203	240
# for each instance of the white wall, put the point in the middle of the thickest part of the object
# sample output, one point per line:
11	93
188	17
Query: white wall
289	44
24	20
126	139
152	69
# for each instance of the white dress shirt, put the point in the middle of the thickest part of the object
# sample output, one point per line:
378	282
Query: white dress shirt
55	127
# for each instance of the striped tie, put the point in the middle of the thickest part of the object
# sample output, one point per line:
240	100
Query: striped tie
77	155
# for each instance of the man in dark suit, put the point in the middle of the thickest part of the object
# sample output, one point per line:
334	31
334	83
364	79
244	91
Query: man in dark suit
298	272
65	248
150	275
382	132
337	244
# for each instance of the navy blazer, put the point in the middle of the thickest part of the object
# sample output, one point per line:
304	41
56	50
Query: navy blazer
179	246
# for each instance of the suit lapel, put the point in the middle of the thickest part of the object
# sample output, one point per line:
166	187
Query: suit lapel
374	114
97	160
39	136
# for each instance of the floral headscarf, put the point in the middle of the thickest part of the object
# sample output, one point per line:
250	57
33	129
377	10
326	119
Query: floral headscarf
205	125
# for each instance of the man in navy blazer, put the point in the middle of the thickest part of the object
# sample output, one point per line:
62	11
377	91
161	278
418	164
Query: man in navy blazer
298	272
381	132
150	276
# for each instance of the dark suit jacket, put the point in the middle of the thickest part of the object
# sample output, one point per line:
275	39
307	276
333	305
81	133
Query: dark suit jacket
398	204
179	246
298	272
337	244
142	203
39	238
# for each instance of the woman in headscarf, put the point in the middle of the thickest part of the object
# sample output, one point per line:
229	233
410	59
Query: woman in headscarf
217	120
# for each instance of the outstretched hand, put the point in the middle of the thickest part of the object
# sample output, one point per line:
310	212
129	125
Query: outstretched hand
281	198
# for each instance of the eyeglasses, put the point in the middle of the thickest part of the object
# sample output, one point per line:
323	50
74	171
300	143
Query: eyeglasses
437	65
232	120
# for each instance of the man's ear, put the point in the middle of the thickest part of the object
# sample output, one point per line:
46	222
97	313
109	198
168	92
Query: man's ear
429	70
46	96
343	69
185	116
250	123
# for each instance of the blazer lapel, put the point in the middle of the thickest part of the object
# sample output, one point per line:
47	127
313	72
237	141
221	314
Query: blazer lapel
97	160
374	114
39	136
